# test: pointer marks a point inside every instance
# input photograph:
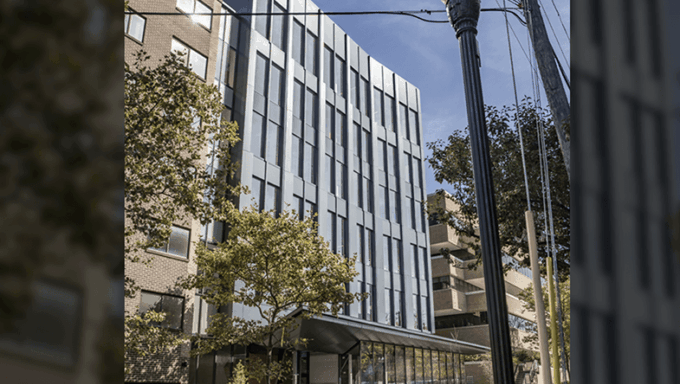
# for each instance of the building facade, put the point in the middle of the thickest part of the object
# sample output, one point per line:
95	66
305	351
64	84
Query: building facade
459	297
326	130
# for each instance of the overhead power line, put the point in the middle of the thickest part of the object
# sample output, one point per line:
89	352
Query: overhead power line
346	13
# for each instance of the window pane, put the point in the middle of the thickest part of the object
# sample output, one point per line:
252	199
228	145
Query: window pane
427	366
150	302
357	140
178	48
435	367
413	124
398	305
424	312
275	88
386	253
204	20
261	22
366	90
126	24
257	135
186	5
298	88
396	255
389	113
340	78
403	120
173	308
419	365
416	312
231	67
369	247
261	75
342	237
298	36
311	54
360	244
389	364
330	127
328	75
179	242
137	24
378	116
382	198
329	173
330	230
273	144
271	198
310	108
341	129
296	169
279	28
355	89
198	63
256	193
410	373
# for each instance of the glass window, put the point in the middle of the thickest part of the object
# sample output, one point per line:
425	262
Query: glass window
341	129
310	210
134	26
340	77
427	366
310	164
328	75
261	75
261	22
378	115
311	109
413	125
356	180
369	248
271	201
330	127
403	120
256	193
274	152
275	86
360	244
386	253
383	197
355	88
394	207
298	42
204	20
198	63
357	140
408	168
366	149
417	172
330	185
435	367
186	6
257	135
410	372
397	308
298	207
388	307
366	91
392	160
414	260
178	243
396	255
342	245
172	306
231	68
367	196
419	365
389	113
421	263
279	27
414	218
424	312
382	152
416	312
389	364
298	105
311	53
330	230
341	185
400	365
295	165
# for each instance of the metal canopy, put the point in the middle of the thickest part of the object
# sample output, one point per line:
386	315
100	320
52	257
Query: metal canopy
329	334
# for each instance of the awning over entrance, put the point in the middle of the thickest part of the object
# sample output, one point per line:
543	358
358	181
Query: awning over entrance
329	334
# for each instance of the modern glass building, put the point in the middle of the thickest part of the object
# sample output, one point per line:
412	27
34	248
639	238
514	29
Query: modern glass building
327	129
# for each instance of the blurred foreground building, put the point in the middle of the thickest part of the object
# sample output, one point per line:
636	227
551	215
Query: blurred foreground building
327	129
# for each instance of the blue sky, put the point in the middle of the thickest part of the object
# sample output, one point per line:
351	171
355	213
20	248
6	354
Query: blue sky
427	56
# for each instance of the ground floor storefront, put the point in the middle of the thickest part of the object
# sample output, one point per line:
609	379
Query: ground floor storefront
349	351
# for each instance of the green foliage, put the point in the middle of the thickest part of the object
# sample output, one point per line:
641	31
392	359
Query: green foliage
527	296
274	265
166	177
144	337
240	375
452	163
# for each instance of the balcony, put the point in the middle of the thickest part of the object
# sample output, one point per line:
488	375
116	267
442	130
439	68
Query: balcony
451	302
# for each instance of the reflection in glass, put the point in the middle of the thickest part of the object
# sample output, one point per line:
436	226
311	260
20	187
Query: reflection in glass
390	376
379	363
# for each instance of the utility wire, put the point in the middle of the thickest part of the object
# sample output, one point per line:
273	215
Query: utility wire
561	22
517	125
332	13
559	44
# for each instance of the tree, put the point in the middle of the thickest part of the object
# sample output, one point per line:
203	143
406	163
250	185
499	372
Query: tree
274	265
172	119
527	296
452	163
